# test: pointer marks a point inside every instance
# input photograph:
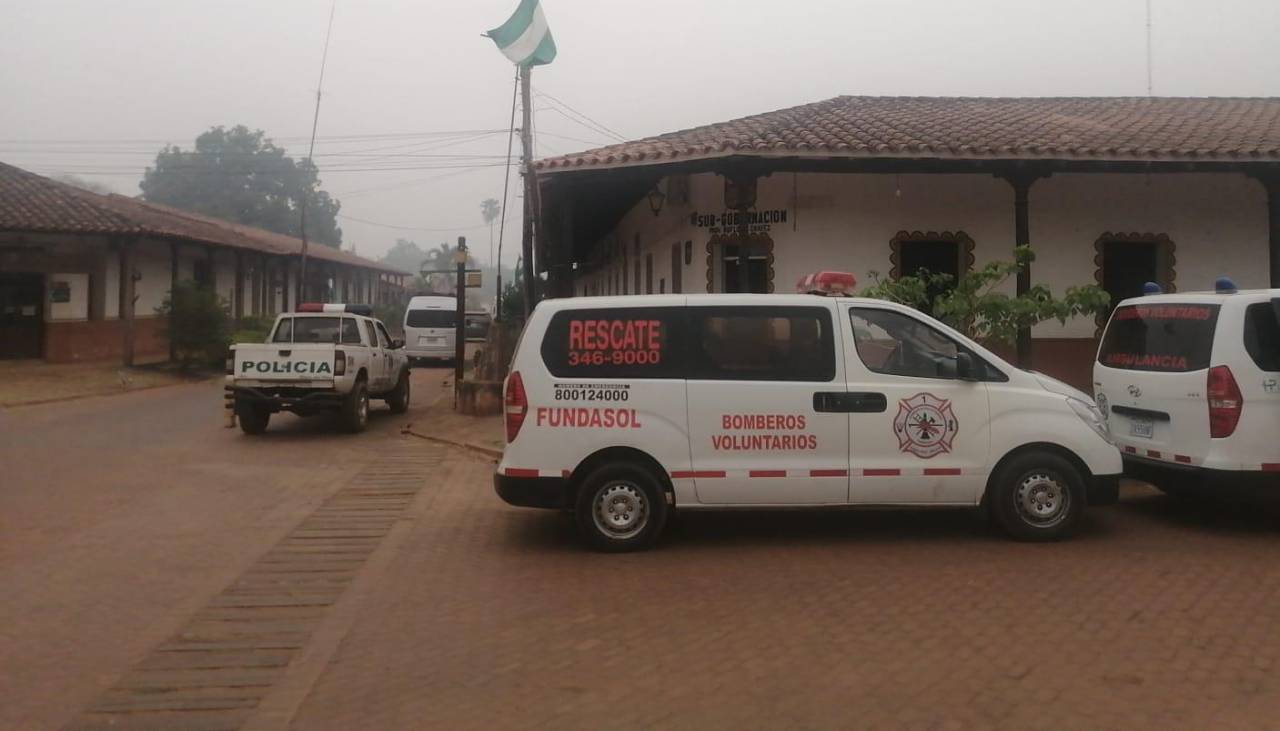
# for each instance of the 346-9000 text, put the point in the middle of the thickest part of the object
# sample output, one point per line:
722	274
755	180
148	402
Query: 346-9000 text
614	357
591	394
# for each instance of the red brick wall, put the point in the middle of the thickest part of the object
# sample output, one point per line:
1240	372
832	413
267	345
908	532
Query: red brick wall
1067	359
67	342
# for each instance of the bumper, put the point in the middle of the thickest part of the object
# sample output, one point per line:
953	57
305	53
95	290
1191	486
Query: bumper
435	352
1233	483
533	492
310	401
1103	490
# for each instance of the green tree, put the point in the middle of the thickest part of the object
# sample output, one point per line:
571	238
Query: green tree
242	176
972	305
406	255
197	324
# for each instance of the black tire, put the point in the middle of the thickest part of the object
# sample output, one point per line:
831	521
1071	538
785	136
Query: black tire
1037	496
398	399
355	410
253	418
620	507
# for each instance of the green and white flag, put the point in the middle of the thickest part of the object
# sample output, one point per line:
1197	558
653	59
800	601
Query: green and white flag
525	38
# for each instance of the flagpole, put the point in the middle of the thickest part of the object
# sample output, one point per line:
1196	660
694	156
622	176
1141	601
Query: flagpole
530	187
506	185
306	189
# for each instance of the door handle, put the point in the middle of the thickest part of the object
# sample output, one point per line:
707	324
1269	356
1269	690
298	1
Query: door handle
850	402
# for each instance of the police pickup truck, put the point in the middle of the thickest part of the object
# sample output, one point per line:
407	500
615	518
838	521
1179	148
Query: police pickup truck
322	358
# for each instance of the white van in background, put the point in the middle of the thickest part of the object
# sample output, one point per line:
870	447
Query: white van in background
429	326
1190	385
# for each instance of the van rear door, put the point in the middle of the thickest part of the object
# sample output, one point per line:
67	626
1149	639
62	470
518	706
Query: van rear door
432	329
1150	377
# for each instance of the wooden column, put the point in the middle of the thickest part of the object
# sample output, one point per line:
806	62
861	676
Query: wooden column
1021	181
210	252
265	302
1270	180
128	262
174	254
239	288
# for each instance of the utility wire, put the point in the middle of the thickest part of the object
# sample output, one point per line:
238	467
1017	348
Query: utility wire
602	128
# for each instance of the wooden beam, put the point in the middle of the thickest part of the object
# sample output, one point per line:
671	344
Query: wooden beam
174	254
239	288
1021	181
128	262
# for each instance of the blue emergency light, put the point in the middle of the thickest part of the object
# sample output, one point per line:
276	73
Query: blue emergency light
1225	285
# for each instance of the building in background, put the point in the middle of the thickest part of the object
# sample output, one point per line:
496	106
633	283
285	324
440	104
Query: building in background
1117	191
63	250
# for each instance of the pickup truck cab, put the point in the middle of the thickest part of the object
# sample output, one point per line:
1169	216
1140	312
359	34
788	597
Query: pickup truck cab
322	358
623	409
1190	385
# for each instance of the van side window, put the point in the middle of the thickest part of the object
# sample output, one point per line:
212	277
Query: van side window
1262	334
761	344
900	345
625	342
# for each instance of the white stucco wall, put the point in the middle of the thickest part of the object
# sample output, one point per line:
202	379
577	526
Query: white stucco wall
77	306
1217	223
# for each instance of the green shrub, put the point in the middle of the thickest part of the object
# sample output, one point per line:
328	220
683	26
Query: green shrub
197	324
252	330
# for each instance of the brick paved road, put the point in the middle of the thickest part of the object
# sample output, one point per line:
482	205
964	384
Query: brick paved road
121	517
1158	616
468	614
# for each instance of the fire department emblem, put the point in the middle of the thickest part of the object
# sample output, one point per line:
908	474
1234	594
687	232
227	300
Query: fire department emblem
925	425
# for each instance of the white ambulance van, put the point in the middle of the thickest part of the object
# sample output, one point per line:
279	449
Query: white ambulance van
622	409
1190	386
430	326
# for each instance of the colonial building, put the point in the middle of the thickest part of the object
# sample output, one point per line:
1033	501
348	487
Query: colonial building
63	251
1114	191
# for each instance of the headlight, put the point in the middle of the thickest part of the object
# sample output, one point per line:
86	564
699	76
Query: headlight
1090	415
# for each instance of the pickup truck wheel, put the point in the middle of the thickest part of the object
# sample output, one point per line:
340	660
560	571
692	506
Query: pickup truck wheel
355	410
1037	496
253	418
620	507
398	399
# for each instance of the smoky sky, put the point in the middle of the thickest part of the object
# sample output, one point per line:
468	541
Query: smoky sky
416	103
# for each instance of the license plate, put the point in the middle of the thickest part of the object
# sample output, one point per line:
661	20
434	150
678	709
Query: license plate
1142	428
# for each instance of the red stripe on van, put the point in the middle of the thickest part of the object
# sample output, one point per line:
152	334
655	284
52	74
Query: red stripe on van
697	473
1184	459
1271	466
941	471
519	472
564	474
1153	454
828	473
881	473
767	473
1130	450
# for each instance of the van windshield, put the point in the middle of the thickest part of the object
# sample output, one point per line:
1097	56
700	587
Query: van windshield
430	318
1171	338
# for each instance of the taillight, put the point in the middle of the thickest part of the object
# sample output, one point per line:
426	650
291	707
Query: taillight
339	363
231	362
1225	402
515	404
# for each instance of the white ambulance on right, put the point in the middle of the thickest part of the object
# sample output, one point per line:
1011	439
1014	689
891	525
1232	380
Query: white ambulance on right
1190	386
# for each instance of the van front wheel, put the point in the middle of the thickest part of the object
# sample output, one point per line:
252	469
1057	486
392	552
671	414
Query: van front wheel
620	507
1037	496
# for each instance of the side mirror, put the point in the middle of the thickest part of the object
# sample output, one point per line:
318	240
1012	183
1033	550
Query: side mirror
396	344
964	367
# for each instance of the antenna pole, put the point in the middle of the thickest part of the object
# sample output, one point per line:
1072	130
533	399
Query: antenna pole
306	189
1148	47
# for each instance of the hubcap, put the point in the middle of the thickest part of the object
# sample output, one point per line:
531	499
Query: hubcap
1043	500
620	510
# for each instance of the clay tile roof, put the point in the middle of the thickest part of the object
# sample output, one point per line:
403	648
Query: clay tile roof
969	128
32	203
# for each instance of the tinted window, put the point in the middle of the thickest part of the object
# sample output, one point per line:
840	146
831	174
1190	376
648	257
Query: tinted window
897	344
368	327
317	330
384	340
430	318
1262	334
761	344
1170	338
632	342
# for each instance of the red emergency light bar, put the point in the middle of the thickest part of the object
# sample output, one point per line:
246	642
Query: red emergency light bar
365	310
827	283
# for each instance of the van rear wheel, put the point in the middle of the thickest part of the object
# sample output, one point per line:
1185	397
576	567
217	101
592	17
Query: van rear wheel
1037	496
620	507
